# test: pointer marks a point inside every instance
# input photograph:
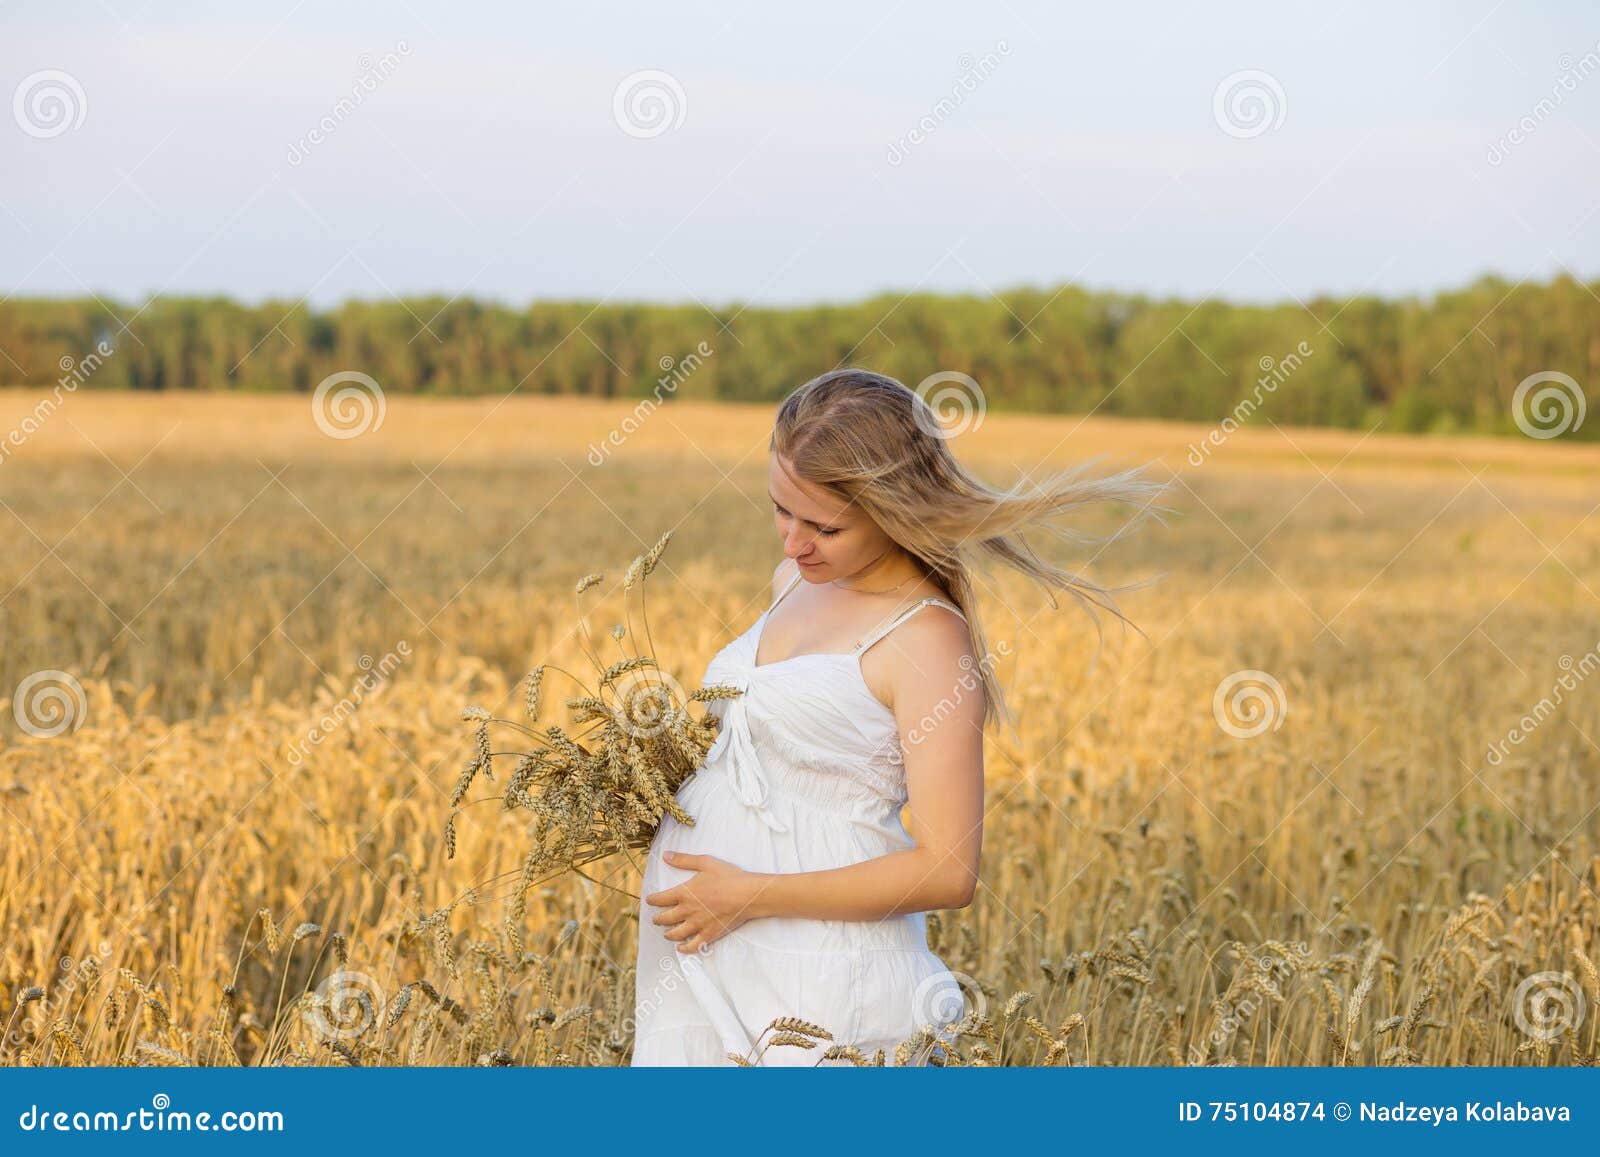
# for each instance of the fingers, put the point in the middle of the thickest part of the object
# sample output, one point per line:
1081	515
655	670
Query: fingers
666	896
673	915
691	933
701	940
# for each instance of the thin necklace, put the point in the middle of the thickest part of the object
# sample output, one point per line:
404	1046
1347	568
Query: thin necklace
886	591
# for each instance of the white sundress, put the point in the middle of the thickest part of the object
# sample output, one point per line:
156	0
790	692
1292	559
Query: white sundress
806	774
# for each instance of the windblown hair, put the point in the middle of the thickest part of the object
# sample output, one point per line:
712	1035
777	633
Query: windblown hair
878	444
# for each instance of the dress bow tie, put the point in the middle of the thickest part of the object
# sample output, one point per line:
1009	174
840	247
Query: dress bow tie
735	747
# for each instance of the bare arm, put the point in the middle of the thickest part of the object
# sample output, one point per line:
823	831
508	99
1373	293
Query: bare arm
938	708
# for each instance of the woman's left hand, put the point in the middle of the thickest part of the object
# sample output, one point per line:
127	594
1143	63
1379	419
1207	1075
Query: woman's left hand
708	905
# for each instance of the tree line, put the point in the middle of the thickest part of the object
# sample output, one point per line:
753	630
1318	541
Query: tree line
1451	362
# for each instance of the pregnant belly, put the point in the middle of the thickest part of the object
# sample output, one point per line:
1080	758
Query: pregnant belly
817	840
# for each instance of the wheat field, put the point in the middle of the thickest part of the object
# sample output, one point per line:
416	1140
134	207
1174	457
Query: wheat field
256	641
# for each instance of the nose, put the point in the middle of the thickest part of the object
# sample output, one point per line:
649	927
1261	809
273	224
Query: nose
796	542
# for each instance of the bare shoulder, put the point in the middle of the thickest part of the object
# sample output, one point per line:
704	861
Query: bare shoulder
935	638
927	660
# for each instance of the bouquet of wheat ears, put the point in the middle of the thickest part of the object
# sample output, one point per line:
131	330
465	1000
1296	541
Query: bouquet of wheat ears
599	785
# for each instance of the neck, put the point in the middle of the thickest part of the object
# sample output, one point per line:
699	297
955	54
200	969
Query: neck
891	569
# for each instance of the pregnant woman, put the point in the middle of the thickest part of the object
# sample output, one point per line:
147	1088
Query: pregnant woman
866	684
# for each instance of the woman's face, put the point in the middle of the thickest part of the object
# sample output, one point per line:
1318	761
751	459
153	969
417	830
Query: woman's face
828	537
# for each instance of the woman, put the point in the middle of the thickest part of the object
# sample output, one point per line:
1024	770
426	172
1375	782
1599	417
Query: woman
866	685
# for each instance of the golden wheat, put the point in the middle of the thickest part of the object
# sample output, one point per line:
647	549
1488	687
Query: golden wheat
178	886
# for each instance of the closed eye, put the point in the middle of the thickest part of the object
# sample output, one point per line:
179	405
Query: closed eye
824	531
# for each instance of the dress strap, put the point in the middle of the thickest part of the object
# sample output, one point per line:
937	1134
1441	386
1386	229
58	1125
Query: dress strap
903	616
785	590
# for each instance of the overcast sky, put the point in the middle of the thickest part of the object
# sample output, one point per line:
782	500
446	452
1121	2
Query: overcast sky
815	152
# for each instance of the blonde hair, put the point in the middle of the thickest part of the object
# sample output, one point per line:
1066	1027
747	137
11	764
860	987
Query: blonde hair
879	445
